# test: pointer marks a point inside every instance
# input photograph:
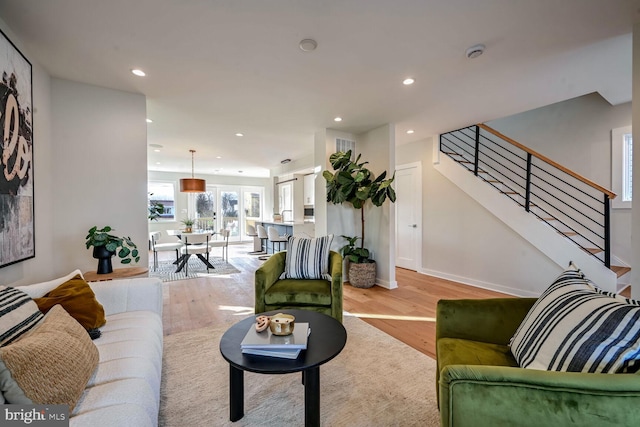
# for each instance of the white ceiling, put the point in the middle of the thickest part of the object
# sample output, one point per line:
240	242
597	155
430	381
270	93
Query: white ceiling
218	67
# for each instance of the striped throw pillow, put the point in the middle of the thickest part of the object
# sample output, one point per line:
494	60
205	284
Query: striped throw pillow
307	258
18	314
576	327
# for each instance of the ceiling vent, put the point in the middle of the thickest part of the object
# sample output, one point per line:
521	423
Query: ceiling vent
345	145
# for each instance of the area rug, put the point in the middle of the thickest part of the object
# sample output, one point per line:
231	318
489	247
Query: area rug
375	381
166	270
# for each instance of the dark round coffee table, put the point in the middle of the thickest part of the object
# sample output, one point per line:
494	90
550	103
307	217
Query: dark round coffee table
326	341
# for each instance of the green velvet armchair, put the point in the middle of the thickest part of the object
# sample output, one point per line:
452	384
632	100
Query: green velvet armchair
480	383
322	296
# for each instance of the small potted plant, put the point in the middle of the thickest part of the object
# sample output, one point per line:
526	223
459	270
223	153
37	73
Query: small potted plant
353	183
188	224
106	245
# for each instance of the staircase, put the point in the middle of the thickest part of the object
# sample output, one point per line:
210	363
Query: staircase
563	214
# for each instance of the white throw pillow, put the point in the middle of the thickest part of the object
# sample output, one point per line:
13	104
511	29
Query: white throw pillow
307	258
576	327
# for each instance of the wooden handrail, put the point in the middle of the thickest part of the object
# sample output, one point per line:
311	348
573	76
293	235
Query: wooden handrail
545	159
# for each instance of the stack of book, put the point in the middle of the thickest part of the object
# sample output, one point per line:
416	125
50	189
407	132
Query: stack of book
267	344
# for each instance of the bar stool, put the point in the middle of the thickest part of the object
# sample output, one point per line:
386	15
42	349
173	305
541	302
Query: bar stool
274	238
264	237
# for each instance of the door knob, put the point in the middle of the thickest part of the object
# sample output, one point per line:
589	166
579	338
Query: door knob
413	225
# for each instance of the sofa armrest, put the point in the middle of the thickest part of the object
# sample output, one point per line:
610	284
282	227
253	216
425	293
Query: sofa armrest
266	276
119	296
492	320
335	270
472	395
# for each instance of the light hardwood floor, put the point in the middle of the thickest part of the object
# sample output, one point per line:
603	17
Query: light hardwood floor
406	313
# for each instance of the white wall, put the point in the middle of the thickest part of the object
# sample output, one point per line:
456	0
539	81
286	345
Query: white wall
99	169
635	214
90	159
577	134
462	241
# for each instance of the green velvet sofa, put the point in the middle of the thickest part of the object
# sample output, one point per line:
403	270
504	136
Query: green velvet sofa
480	384
322	296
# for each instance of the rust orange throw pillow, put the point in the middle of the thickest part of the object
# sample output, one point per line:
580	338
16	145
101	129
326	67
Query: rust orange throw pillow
77	298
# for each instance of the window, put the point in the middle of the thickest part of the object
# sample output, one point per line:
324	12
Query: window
206	210
163	193
622	166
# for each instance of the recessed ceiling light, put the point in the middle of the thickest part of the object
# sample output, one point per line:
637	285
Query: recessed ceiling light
285	161
408	81
149	121
157	150
475	51
239	134
158	163
308	45
337	119
218	157
410	131
138	72
239	171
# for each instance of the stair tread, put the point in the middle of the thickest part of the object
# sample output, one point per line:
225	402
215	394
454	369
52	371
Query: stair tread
509	192
593	250
568	233
620	270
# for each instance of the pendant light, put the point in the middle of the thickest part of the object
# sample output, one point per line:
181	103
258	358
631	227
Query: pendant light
192	185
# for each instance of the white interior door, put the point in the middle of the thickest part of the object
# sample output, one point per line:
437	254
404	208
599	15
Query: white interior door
409	216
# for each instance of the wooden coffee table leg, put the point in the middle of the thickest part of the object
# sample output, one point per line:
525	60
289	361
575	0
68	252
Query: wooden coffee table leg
236	393
311	380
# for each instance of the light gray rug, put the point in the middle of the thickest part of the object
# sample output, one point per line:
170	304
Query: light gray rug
375	381
166	270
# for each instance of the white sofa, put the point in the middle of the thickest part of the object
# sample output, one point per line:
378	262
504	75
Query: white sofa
125	388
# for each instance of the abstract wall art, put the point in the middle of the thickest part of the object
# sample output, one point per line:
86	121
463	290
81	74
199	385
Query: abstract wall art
17	228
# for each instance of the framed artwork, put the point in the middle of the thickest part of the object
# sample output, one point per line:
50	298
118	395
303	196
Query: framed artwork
17	228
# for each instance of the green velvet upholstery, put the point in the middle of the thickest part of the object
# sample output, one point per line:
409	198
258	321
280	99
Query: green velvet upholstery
479	383
322	296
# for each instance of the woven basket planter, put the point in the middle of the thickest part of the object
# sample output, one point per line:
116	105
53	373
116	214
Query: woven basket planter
362	275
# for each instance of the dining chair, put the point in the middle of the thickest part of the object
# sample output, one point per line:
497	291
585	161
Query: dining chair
196	244
156	247
274	238
224	243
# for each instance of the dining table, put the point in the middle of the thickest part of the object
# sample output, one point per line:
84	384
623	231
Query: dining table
184	258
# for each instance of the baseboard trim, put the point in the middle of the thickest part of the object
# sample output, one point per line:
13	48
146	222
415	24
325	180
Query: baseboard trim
479	283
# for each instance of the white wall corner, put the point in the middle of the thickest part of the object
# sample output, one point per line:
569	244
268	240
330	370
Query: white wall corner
435	147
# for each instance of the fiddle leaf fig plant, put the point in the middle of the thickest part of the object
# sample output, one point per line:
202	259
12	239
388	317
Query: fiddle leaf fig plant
124	247
353	183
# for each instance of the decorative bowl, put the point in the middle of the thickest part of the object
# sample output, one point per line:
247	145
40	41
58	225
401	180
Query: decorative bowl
282	324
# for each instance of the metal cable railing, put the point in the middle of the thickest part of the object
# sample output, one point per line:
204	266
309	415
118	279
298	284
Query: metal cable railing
569	203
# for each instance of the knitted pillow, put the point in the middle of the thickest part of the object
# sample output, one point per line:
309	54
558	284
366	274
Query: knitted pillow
307	258
77	298
18	314
576	327
50	365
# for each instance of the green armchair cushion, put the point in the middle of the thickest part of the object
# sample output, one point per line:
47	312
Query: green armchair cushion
455	351
298	291
576	327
